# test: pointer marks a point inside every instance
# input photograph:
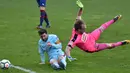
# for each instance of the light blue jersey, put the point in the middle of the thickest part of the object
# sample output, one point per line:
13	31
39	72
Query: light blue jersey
54	51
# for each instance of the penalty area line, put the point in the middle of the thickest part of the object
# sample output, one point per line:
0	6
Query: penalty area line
23	69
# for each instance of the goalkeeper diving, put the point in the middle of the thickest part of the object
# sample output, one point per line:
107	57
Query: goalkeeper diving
87	41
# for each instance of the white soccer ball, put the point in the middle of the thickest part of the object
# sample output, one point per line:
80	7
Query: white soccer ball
5	64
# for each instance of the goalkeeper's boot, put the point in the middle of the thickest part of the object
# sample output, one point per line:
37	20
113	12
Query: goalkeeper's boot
117	18
79	3
125	42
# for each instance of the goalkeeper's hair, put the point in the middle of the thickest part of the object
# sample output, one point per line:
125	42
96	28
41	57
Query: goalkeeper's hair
78	24
42	31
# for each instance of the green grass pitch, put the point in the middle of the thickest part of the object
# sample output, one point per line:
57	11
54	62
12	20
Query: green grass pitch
18	36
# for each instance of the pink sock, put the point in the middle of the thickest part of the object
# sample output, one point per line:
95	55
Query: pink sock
116	44
107	24
102	46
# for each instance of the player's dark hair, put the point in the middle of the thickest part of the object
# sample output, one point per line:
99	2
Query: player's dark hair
42	31
78	24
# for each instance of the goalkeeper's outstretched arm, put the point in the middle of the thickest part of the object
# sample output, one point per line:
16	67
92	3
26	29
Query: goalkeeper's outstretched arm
79	14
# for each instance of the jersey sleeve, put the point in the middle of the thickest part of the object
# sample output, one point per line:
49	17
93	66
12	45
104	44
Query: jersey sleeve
72	41
57	44
40	48
56	40
41	52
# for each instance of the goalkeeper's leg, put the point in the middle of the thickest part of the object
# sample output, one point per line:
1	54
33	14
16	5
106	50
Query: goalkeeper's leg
107	24
96	33
102	46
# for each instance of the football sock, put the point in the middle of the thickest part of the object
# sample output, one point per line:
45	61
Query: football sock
46	19
102	46
107	24
42	15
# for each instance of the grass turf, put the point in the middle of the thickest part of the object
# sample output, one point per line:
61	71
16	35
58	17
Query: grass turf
18	36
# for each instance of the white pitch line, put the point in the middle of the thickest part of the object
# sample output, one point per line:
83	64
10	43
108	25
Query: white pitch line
22	69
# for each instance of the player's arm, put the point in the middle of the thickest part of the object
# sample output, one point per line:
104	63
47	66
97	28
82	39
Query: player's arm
57	44
79	14
42	55
67	52
70	46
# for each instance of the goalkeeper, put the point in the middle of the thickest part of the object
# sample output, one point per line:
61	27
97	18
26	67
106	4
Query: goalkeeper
87	41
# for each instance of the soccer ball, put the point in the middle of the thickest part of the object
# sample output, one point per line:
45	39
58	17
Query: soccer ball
5	64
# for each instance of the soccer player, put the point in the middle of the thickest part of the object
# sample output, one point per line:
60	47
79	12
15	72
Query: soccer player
43	14
87	41
51	44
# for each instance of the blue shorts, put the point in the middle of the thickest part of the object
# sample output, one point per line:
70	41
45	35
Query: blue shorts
41	3
56	55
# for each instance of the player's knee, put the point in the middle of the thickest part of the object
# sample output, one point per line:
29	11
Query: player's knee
101	29
42	8
110	45
62	57
52	61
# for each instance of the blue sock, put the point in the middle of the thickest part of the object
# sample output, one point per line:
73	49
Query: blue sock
42	16
46	19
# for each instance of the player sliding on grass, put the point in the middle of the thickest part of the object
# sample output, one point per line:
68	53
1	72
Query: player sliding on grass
87	41
50	43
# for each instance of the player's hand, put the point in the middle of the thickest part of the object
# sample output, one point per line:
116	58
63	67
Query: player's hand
79	3
71	59
49	44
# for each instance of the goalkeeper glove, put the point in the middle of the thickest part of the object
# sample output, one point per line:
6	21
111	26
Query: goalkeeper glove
79	3
71	59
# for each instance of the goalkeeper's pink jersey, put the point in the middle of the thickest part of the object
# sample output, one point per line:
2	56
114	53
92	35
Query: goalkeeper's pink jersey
84	41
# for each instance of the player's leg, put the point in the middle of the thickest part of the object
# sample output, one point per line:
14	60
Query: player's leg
62	61
54	61
96	33
102	46
47	21
38	2
107	24
42	5
54	64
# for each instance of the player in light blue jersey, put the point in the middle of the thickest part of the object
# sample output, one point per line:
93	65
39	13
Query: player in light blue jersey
51	44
